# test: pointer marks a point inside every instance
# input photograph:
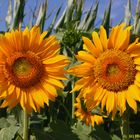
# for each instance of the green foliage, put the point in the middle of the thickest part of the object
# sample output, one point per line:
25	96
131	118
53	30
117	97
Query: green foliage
14	20
42	15
82	131
106	19
88	22
127	17
8	133
8	128
136	29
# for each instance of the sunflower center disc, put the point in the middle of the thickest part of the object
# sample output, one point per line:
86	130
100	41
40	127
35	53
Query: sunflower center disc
22	67
23	70
114	70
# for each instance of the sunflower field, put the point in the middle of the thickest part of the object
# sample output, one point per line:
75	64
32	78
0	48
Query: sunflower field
70	70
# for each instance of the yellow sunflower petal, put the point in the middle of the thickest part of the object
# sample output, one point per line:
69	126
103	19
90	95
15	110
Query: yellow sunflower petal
137	76
54	82
4	104
11	89
50	89
137	61
131	102
137	83
104	100
122	40
55	59
114	111
110	102
26	59
134	92
98	93
103	37
112	38
42	36
13	104
135	51
115	33
132	46
97	41
115	68
121	102
86	57
84	69
89	46
86	116
31	102
37	97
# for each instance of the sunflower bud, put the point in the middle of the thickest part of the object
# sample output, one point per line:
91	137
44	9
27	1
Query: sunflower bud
71	37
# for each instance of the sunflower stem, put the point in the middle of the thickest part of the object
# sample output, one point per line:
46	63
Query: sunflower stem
73	107
90	137
125	125
25	126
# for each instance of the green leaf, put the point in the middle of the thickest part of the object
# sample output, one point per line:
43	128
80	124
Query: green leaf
51	26
100	134
40	134
11	119
18	13
57	131
4	123
42	15
79	9
136	29
106	19
82	131
89	22
61	131
60	22
8	18
8	133
59	35
69	11
127	17
115	137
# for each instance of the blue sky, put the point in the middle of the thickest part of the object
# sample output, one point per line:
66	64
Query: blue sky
117	11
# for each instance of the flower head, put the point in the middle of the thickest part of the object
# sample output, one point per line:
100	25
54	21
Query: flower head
85	115
30	69
110	70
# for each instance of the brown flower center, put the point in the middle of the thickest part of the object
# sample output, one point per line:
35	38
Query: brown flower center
23	70
114	70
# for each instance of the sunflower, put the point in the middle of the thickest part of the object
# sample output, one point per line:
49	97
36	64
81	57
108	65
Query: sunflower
86	116
109	71
30	69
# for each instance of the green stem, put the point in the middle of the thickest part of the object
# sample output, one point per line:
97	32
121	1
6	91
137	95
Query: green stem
90	137
73	94
125	126
73	102
25	126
